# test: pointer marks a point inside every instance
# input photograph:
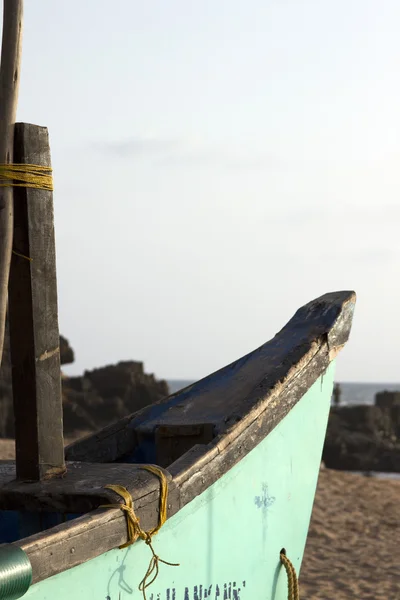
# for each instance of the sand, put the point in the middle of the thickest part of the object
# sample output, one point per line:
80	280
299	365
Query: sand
353	546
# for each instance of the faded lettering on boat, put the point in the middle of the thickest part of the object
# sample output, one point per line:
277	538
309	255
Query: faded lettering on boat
227	591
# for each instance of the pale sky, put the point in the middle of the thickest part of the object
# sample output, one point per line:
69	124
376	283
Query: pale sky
218	164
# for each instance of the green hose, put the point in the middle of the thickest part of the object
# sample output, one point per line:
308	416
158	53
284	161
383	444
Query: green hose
15	572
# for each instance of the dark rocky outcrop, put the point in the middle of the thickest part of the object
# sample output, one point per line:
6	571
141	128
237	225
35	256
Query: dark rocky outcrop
66	353
92	401
364	438
104	395
387	399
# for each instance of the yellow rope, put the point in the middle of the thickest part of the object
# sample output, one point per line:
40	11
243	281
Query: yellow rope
134	529
30	176
293	584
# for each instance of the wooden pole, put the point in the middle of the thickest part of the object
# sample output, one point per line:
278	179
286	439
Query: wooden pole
33	319
11	49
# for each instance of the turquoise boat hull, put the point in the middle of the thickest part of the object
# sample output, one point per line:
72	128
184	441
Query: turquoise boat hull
241	452
227	541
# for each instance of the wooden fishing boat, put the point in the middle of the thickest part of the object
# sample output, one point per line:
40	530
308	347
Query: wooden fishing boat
227	506
205	495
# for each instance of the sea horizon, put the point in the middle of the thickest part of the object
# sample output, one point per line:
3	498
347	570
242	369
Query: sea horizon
352	392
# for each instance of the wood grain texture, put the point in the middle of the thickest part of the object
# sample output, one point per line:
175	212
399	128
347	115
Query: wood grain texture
81	490
172	441
106	445
297	357
90	535
223	398
204	465
33	316
10	67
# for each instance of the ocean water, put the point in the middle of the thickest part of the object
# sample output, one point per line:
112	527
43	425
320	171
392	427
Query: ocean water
352	393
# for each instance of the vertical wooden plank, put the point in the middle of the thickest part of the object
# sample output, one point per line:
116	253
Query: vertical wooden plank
11	49
33	310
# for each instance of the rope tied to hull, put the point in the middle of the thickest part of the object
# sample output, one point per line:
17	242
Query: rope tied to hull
293	584
28	176
135	530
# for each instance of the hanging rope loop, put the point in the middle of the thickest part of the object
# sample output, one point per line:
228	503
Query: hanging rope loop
293	583
133	524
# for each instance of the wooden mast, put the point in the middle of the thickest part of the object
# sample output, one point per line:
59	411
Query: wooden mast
28	278
11	50
33	318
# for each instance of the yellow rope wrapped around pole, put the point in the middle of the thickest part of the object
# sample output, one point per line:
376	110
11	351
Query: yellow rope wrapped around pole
29	176
32	176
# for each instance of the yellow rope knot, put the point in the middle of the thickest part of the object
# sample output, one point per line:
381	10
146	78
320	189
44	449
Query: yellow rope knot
28	176
293	584
134	529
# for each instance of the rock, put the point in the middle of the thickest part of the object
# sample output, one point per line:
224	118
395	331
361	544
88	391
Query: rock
105	395
92	401
363	438
387	399
66	353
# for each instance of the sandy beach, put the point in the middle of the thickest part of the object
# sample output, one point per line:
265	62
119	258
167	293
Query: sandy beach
353	548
